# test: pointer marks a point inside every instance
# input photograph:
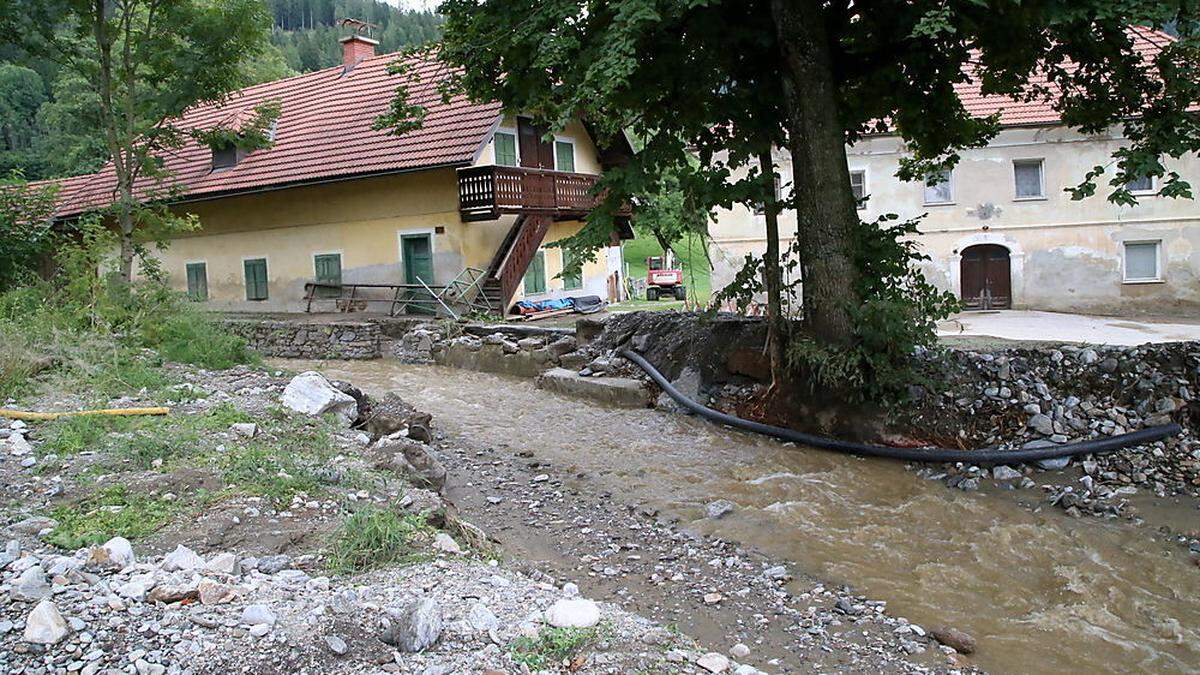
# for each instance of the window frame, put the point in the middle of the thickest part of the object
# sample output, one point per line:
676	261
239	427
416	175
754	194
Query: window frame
860	203
246	261
545	286
925	190
1158	262
1148	192
187	275
565	140
570	283
1040	162
508	131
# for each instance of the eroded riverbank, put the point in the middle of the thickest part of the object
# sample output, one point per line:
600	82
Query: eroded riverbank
1041	591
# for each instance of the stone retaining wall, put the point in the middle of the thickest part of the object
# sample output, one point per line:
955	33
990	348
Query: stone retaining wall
292	339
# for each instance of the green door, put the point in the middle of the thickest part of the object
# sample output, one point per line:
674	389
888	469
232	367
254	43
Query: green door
535	276
416	251
328	267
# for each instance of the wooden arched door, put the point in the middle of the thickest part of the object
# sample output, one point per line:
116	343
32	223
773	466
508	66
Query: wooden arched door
986	277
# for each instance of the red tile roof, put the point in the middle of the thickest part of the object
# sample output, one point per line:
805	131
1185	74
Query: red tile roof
323	133
1146	41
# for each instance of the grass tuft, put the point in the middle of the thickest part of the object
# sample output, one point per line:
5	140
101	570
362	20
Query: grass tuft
374	537
552	646
110	512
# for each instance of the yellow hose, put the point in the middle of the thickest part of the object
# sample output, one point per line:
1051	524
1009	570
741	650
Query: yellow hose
29	415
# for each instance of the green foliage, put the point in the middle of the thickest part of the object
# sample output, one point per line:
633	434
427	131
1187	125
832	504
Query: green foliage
307	36
110	512
190	336
26	232
22	93
374	537
898	316
552	647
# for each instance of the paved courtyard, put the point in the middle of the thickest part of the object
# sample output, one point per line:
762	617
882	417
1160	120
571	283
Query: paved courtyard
1058	327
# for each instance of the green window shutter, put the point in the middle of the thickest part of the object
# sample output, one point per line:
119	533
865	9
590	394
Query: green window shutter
256	279
535	276
328	267
197	281
571	281
506	148
564	155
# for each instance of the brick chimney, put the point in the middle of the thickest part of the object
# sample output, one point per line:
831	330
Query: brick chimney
355	48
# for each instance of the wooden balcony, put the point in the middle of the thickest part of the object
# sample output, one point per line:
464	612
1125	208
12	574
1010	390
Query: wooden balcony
487	192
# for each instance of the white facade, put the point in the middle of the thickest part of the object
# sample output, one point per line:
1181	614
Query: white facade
1088	255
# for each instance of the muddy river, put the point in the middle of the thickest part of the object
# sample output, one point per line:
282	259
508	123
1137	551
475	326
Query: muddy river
1040	591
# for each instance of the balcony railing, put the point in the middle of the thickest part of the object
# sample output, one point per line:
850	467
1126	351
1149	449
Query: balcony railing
486	192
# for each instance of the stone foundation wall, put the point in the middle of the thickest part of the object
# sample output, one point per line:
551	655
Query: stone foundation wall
291	339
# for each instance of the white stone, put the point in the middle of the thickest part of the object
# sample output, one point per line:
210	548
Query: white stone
45	625
182	558
713	662
116	553
18	446
1003	472
739	651
31	586
224	563
310	393
244	429
446	544
255	615
573	613
481	618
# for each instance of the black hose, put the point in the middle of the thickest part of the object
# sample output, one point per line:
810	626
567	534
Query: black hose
984	456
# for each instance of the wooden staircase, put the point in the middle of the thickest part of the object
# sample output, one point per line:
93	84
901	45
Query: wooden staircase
512	259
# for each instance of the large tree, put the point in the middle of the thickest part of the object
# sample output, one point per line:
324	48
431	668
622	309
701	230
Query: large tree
145	62
673	70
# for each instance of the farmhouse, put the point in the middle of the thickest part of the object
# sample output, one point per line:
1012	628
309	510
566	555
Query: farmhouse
1000	230
470	200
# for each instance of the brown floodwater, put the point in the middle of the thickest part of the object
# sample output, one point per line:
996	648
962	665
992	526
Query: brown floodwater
1040	591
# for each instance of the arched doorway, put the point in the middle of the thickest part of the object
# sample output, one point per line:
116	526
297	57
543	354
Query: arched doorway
986	277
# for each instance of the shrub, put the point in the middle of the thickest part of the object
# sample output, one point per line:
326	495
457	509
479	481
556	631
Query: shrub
373	537
551	647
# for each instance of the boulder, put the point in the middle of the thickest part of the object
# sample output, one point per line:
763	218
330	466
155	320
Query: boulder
258	615
171	593
414	628
224	563
573	613
392	414
45	625
182	558
688	384
31	586
273	564
713	662
413	459
116	553
719	509
214	593
244	429
1003	472
952	637
481	618
446	544
310	393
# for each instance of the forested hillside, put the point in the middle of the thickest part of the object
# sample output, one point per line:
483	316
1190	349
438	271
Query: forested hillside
42	129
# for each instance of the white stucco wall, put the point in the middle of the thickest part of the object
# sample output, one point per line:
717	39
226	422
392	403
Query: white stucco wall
1065	254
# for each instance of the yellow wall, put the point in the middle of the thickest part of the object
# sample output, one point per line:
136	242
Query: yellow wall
586	157
595	271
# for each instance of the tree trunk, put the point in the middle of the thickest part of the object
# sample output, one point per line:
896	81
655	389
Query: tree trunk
826	213
774	282
125	221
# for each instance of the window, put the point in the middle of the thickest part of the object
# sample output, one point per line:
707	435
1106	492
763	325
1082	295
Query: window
564	155
1029	179
938	189
535	276
197	281
224	156
506	148
328	268
1143	185
1141	261
256	279
573	281
858	185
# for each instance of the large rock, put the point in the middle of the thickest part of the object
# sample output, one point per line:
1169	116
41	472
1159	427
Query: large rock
573	613
392	414
416	460
713	662
182	558
116	553
45	625
31	586
415	627
214	592
952	637
618	391
258	615
310	393
688	383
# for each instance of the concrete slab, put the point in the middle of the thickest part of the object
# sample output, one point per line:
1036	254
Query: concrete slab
1025	325
622	392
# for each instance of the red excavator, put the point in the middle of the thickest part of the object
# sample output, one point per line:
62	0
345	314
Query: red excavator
663	279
